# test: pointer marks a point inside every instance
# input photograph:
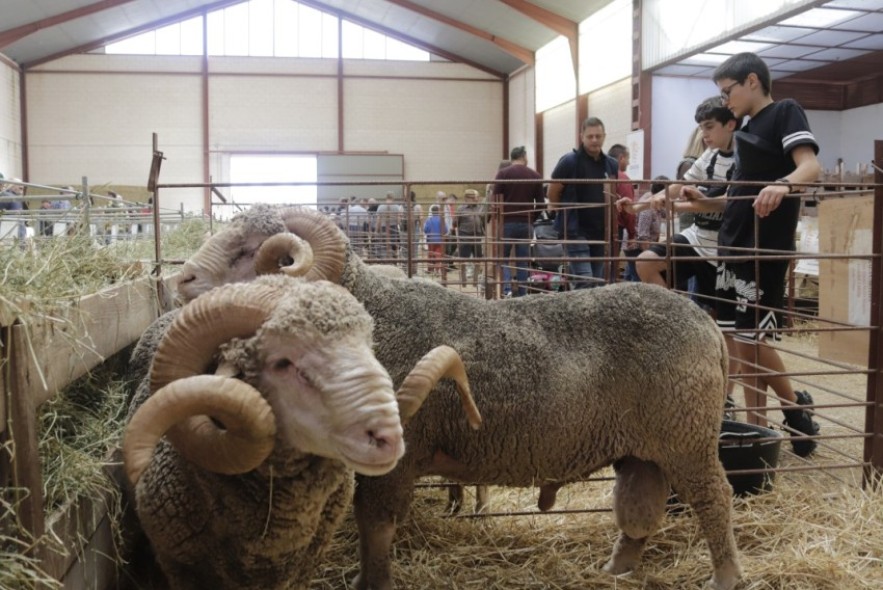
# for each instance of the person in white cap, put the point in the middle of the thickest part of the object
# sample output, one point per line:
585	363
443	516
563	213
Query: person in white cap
469	225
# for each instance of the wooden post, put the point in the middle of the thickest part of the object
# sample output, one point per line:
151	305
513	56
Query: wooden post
27	480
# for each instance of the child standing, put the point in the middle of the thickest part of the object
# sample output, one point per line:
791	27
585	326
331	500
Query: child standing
698	240
432	230
777	147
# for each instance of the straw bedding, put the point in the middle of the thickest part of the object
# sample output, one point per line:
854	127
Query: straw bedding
814	531
804	535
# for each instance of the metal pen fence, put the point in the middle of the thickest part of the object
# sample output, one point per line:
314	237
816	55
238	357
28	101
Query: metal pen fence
848	398
41	212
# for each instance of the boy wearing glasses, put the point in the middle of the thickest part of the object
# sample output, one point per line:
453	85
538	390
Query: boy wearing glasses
776	147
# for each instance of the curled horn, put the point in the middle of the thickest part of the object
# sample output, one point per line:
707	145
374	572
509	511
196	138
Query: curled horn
439	363
246	441
274	253
185	352
328	242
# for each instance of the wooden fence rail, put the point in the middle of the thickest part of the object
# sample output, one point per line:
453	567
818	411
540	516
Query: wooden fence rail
39	359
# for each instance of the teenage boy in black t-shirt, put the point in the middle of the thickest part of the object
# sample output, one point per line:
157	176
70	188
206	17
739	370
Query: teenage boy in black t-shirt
776	146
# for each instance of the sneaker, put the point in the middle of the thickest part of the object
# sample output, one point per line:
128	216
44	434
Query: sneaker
802	422
507	295
729	414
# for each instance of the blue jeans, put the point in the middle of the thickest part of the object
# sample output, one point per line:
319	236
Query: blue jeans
519	231
585	268
631	271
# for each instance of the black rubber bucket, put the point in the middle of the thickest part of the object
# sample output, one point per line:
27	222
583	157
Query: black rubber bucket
742	446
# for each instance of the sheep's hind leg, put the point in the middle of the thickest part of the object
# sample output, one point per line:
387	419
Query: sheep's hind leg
706	489
639	506
456	493
482	499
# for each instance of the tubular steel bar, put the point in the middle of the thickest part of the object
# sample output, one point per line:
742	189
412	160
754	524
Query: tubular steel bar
873	453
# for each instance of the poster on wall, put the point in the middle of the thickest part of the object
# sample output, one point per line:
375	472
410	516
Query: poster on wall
635	143
860	278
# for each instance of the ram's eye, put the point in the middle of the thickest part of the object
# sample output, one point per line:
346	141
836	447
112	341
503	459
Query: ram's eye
282	364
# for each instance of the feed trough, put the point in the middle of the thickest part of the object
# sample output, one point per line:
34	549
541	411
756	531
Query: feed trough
748	446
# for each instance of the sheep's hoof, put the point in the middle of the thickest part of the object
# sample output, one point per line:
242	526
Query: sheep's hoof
617	569
725	577
712	584
359	584
626	555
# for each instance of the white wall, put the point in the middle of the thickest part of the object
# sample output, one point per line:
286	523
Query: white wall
848	134
448	128
827	126
522	114
674	106
10	121
612	104
860	127
94	115
560	134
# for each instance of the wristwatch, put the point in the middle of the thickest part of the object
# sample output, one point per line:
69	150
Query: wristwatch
786	182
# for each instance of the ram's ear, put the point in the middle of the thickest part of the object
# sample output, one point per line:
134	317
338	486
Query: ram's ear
439	363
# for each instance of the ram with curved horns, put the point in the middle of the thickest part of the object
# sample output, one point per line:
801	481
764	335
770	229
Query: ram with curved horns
264	397
629	375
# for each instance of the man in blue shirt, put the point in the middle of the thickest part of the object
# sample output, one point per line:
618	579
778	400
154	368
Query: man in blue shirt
582	217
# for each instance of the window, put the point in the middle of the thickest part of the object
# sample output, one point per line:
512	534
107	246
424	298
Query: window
184	38
274	168
555	80
269	28
362	43
605	46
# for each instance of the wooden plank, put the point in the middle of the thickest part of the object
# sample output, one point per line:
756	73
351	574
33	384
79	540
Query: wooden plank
95	569
84	529
3	370
73	524
44	358
53	354
83	526
845	227
26	475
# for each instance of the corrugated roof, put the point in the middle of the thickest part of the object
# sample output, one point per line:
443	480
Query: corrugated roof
498	36
836	41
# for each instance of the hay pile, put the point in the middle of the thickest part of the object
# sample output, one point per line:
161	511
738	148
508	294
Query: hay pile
55	272
78	429
18	568
801	536
80	426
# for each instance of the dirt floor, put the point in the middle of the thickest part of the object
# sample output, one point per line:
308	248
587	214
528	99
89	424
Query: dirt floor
841	399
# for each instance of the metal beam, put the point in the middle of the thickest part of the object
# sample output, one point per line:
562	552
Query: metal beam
564	27
159	23
321	6
10	36
523	54
873	451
